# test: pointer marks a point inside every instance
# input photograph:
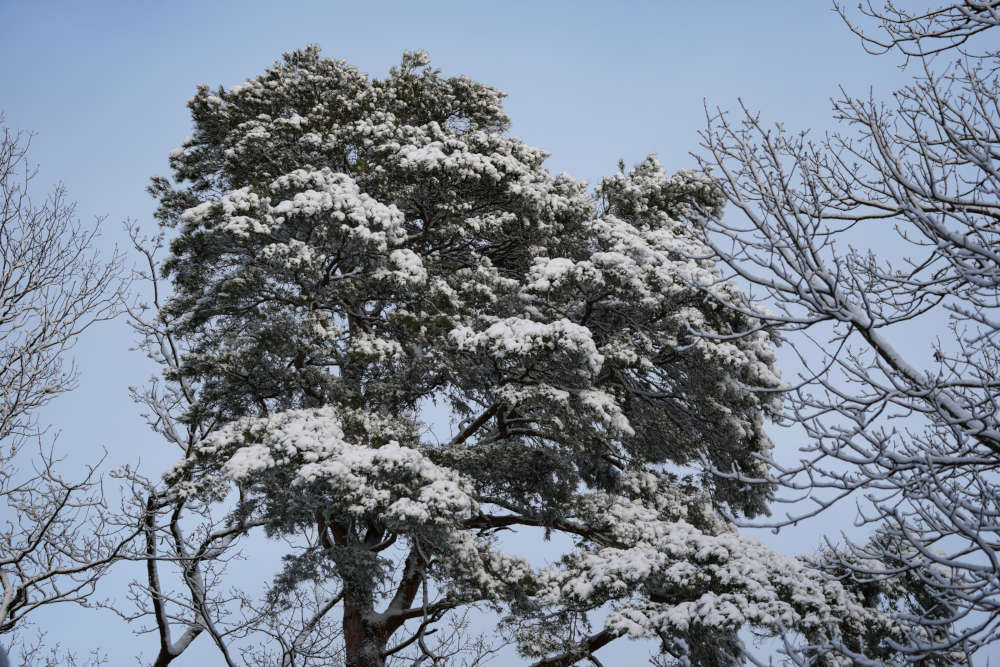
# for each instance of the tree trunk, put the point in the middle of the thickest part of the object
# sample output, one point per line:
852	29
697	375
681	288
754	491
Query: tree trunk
364	637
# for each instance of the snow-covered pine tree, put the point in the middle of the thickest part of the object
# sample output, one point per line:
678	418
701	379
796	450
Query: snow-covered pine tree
347	252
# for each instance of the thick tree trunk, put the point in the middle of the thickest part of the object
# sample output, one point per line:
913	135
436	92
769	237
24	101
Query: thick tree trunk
364	637
365	634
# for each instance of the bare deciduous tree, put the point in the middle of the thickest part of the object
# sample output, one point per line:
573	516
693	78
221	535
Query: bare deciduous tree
878	249
55	541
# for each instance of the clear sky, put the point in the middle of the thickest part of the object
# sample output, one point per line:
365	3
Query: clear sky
104	85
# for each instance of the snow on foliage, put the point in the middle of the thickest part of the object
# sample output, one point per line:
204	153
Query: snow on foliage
392	481
382	244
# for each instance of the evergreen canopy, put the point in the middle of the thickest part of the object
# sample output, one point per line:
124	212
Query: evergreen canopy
349	252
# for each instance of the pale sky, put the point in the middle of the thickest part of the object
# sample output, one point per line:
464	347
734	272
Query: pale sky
104	86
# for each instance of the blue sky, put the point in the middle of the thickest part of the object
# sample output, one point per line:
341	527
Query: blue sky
104	87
